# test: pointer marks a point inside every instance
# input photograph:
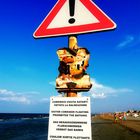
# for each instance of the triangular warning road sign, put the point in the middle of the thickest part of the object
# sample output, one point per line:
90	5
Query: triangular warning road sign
74	17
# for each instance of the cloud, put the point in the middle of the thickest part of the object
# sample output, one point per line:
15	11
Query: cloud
127	41
101	91
29	93
99	96
6	92
45	100
53	83
6	95
20	99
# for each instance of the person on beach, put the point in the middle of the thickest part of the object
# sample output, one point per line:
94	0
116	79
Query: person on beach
115	117
124	116
121	117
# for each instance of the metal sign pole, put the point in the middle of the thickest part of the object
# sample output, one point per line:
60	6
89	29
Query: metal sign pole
72	45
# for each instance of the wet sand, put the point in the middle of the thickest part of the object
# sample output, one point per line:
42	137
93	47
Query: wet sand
108	130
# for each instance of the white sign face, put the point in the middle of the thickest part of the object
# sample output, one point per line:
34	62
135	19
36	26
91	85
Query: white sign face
63	16
70	118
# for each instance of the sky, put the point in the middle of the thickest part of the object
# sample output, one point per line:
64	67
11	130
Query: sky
29	67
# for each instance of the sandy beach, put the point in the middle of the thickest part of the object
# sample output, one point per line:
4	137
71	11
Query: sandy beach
104	128
130	123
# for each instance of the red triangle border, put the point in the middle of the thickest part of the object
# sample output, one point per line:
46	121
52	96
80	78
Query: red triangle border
105	23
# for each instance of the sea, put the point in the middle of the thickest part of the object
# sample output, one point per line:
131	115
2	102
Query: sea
15	126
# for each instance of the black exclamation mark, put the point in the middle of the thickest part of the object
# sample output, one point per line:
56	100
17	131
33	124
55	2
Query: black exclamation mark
72	10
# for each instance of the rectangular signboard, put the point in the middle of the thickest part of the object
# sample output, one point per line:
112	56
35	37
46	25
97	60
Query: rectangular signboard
70	118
